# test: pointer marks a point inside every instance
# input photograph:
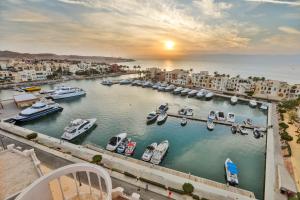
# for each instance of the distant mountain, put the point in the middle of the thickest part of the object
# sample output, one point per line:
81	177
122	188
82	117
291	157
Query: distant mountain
49	56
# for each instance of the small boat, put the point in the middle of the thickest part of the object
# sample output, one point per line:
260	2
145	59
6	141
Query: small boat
62	92
78	127
130	148
242	130
257	133
163	108
32	88
148	153
209	96
231	172
147	84
185	91
151	118
140	83
162	118
161	88
186	111
47	91
107	82
231	117
212	115
178	90
115	141
220	116
183	121
170	88
234	100
133	83
159	152
201	93
155	86
125	82
210	124
252	103
264	106
122	146
192	93
234	128
248	121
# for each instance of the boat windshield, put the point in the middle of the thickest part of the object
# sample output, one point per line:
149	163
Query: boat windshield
113	140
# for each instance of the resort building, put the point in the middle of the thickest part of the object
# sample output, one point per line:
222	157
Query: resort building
177	76
202	80
155	74
240	86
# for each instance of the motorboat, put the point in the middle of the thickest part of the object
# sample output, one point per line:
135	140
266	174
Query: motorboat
252	103
231	172
234	128
170	88
161	88
47	91
212	115
78	127
183	121
209	96
155	86
242	130
130	148
201	93
234	100
107	82
186	111
125	82
135	82
220	116
264	106
148	153
210	124
192	93
152	116
122	146
140	83
256	133
185	91
159	152
162	117
31	88
37	110
163	108
248	121
231	117
67	92
178	90
147	84
115	141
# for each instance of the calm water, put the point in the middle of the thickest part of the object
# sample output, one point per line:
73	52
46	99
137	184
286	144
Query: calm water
193	149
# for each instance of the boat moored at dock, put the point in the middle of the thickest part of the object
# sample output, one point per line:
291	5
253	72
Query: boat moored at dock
107	82
231	172
163	108
183	121
78	127
212	115
159	152
252	103
231	117
220	116
233	100
192	93
201	93
162	117
264	106
170	88
186	111
125	82
151	118
31	89
210	124
209	96
67	92
147	155
130	147
115	141
185	91
178	90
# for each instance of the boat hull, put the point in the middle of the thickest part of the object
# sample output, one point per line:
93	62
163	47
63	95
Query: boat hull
38	115
64	96
86	128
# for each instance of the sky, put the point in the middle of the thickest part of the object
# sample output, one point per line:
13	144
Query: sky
150	28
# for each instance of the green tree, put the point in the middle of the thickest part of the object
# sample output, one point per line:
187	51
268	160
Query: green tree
188	188
96	159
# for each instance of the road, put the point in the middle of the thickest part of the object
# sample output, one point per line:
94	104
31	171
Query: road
54	162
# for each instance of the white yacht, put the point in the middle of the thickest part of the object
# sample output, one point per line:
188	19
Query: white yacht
231	117
147	84
234	100
125	82
220	116
231	172
185	91
147	155
186	111
210	124
192	93
177	90
252	103
170	88
201	93
209	95
135	82
115	141
155	86
78	127
212	115
162	117
264	106
162	87
66	92
47	91
160	152
163	108
107	82
37	110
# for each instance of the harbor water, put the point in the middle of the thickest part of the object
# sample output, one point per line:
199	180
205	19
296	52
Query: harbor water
193	148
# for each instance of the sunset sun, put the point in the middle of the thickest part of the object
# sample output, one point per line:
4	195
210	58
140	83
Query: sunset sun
169	44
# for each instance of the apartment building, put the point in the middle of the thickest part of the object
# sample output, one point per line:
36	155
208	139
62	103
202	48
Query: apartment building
177	76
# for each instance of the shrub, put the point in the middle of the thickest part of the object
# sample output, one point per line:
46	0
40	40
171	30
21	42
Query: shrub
286	136
289	151
31	136
96	159
298	140
283	125
196	197
152	182
282	110
188	188
176	190
130	175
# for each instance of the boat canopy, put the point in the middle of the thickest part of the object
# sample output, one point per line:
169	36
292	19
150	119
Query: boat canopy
232	168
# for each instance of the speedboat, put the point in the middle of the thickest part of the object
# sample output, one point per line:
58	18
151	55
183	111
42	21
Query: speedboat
185	91
125	82
234	100
209	96
178	90
135	82
220	116
161	88
242	130
159	152
151	118
130	148
231	172
66	92
162	117
192	93
210	124
140	83
257	133
32	88
107	82
252	103
264	106
37	110
170	88
122	146
186	111
155	86
212	115
115	141
231	117
183	121
148	153
234	128
163	108
248	121
201	93
78	127
147	84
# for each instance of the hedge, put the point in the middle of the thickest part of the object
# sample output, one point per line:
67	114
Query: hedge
283	125
152	182
117	170
130	175
176	190
31	136
289	151
286	136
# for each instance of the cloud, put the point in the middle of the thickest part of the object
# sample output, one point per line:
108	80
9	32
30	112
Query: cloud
289	30
212	8
25	16
283	2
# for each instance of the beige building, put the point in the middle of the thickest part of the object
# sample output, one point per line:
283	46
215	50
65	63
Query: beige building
177	76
